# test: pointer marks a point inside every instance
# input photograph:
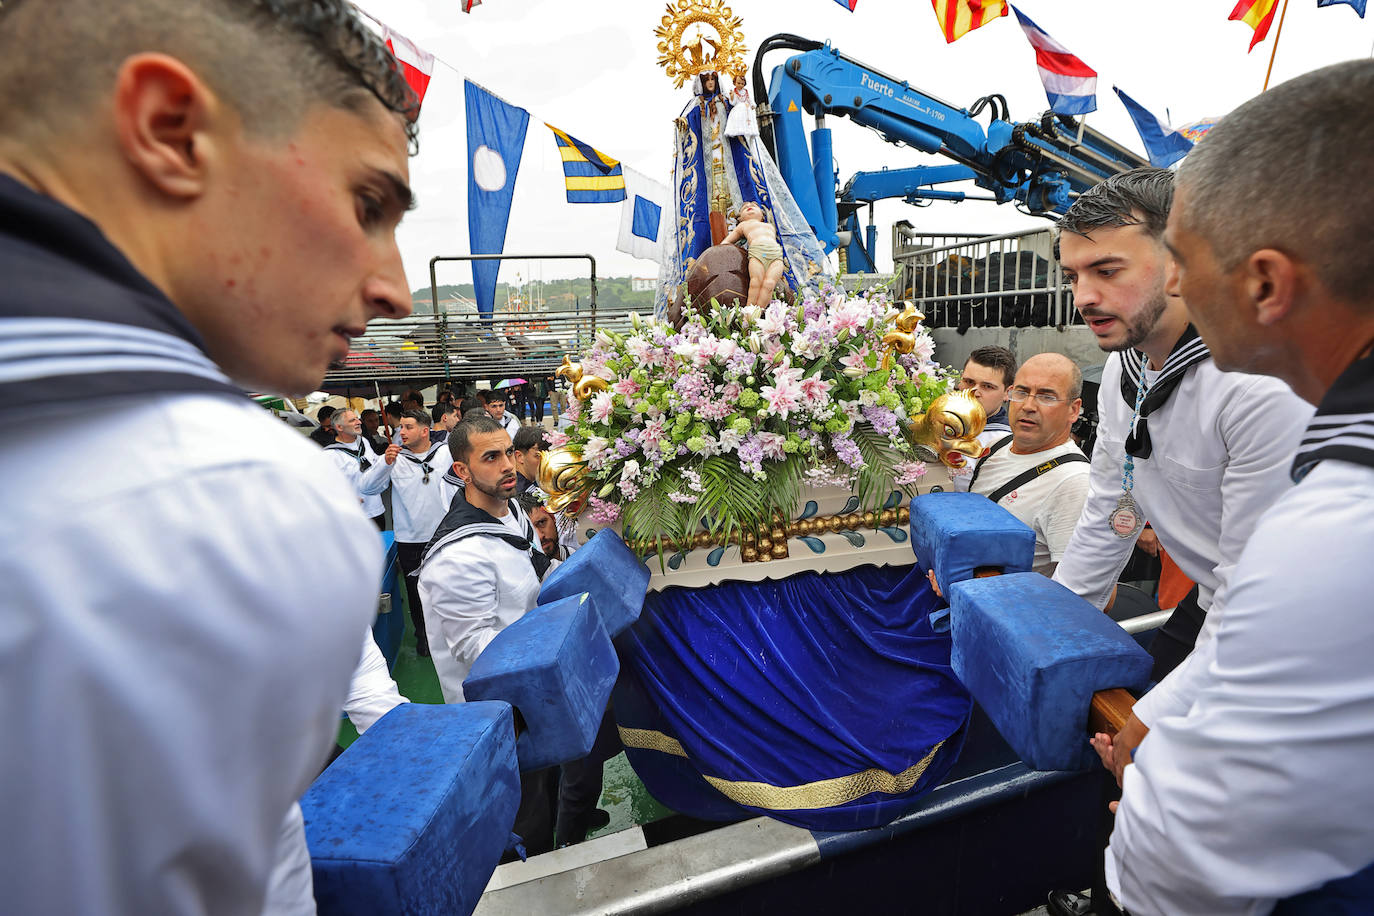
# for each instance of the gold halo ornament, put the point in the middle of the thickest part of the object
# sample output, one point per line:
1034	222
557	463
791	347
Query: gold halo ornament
683	56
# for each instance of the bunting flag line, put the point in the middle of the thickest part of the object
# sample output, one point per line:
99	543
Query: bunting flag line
959	17
1258	15
644	216
1356	5
1070	84
496	139
589	175
1163	144
417	64
850	4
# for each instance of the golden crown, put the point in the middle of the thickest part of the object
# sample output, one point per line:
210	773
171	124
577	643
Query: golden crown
684	56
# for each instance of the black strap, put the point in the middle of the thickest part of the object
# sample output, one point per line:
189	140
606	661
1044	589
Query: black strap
1025	476
994	449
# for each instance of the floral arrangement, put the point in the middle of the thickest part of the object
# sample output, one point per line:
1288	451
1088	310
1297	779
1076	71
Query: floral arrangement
719	425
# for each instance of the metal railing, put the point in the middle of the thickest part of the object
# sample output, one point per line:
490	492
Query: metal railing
981	281
466	345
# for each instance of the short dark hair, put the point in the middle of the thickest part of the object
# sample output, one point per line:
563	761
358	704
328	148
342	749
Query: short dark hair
473	403
996	358
440	410
460	440
367	411
495	394
1139	197
530	500
269	59
393	409
419	416
529	436
324	413
1289	170
476	413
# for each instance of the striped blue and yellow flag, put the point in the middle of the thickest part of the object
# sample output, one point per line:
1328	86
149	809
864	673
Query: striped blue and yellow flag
590	176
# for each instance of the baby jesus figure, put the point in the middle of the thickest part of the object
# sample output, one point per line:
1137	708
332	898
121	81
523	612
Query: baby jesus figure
766	264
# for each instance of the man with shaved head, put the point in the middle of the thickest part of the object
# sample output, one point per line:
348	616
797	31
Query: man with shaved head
1257	795
1037	472
197	197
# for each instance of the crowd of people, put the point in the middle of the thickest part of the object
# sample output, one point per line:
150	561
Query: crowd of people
205	199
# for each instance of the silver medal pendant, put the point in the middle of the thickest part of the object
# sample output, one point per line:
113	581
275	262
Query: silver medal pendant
1125	520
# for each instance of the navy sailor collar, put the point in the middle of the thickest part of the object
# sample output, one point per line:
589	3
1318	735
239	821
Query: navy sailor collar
1343	426
465	520
77	318
1188	351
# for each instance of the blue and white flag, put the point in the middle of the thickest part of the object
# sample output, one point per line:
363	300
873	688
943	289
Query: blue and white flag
496	138
1163	144
644	216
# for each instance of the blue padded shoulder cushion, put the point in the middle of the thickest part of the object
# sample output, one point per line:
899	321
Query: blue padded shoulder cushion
1033	653
556	665
607	570
955	533
414	816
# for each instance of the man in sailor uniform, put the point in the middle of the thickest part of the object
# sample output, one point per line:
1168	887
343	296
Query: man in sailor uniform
418	504
1257	795
481	573
199	198
369	474
1198	452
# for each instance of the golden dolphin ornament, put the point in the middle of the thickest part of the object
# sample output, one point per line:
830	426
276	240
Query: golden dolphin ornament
582	387
902	337
950	428
562	475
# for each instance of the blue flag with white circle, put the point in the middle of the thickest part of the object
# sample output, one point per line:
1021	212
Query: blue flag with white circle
496	138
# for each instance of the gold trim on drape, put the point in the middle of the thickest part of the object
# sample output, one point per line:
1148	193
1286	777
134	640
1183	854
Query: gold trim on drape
823	793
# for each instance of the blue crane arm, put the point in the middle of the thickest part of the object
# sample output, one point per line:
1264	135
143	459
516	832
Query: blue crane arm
1042	164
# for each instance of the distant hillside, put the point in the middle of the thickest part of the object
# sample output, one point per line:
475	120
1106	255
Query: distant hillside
557	295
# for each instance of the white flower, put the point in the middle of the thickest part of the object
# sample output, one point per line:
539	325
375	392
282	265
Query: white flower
631	470
687	350
729	440
866	398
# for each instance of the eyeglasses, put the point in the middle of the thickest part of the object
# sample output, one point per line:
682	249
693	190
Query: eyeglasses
1045	399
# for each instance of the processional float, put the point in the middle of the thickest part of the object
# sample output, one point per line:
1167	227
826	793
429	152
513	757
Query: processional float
760	493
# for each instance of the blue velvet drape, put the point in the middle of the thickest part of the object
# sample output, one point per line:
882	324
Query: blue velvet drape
818	677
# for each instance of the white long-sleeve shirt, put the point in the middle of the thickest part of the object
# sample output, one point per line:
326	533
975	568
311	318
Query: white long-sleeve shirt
1222	444
418	507
173	679
1261	788
371	694
473	589
367	484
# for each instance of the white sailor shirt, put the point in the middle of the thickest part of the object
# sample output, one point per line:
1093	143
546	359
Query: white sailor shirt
369	483
473	589
183	679
417	505
371	694
1222	444
1260	790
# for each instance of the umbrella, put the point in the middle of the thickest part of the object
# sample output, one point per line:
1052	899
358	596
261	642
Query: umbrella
509	383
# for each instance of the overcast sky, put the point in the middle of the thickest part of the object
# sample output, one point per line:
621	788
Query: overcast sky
589	68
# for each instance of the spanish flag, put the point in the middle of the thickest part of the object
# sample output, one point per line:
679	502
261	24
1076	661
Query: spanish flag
1257	14
591	177
960	16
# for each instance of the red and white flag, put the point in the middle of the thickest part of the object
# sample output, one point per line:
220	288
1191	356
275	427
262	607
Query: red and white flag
1070	84
469	4
416	63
